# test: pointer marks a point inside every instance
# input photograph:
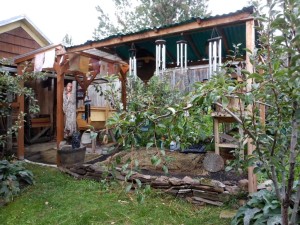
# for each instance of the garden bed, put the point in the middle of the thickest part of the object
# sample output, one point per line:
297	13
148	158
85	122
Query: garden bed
179	164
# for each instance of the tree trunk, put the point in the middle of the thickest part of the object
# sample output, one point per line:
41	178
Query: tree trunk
284	213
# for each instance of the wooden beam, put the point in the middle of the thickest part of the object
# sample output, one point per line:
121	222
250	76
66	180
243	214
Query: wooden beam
250	44
20	100
206	23
97	57
30	55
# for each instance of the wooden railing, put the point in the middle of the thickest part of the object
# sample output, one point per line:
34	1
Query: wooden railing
183	79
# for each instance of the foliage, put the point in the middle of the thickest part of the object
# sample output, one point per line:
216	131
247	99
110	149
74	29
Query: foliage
10	88
157	113
67	40
262	208
132	16
275	84
11	174
57	198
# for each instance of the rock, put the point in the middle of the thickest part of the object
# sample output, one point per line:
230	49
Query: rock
189	180
228	214
184	191
243	184
213	162
172	191
212	183
79	171
161	182
227	183
206	194
208	188
217	203
175	181
234	190
98	168
143	178
218	184
265	185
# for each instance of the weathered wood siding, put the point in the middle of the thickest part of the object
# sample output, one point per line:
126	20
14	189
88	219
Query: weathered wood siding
16	42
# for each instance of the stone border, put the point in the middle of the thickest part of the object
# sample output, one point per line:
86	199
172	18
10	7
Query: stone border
197	191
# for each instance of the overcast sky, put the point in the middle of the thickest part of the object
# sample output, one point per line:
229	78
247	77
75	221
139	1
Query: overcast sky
56	18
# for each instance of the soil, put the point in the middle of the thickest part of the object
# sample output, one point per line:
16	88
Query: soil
179	164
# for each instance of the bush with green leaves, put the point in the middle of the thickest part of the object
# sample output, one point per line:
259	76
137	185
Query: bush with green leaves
155	113
272	82
262	208
10	88
11	175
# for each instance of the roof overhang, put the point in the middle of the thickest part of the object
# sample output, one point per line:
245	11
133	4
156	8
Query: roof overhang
195	31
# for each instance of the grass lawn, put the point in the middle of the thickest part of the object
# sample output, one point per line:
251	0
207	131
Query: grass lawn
57	198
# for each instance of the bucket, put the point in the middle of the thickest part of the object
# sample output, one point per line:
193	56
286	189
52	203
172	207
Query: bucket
67	156
86	138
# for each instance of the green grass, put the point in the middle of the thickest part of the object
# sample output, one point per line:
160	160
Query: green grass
57	198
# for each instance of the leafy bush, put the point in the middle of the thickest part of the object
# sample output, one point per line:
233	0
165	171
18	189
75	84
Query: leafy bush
155	113
262	208
11	175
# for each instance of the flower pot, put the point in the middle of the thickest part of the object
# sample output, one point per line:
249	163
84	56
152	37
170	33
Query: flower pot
66	156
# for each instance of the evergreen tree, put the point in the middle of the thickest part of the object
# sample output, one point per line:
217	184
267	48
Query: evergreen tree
141	14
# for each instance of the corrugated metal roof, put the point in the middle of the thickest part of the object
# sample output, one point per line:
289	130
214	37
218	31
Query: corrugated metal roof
245	9
197	39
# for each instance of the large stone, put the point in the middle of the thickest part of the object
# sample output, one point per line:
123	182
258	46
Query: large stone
265	185
143	178
189	180
227	214
206	194
213	162
208	188
243	184
234	190
212	183
175	181
162	181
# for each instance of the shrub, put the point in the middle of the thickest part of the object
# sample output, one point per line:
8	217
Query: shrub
11	175
262	208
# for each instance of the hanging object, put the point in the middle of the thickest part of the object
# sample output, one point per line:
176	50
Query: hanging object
214	52
87	107
132	61
160	58
182	54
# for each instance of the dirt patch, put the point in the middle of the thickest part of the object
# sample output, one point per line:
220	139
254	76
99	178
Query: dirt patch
179	164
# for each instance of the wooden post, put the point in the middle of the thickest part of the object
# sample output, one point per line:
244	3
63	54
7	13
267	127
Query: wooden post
60	72
250	42
216	134
20	140
124	69
59	109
